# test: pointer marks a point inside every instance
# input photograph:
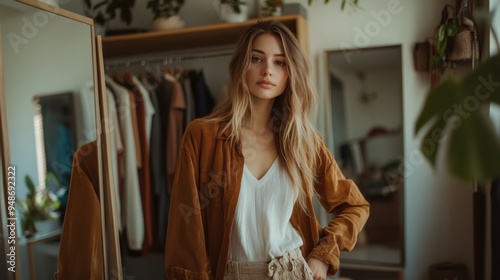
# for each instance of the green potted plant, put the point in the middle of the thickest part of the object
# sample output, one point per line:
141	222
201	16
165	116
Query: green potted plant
271	8
231	10
40	207
166	13
104	11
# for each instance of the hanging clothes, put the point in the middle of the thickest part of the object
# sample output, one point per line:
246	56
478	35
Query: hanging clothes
190	102
149	109
157	112
157	159
132	214
175	127
204	102
164	94
142	110
145	111
82	259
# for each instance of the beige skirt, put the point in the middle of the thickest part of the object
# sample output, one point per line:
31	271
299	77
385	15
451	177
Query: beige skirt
291	265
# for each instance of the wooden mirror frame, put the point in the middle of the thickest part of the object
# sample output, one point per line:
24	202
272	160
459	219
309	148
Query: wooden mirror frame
111	248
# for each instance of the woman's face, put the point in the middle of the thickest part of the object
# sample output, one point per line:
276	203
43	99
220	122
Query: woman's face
268	73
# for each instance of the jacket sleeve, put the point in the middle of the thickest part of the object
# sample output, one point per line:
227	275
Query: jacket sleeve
185	253
340	196
81	249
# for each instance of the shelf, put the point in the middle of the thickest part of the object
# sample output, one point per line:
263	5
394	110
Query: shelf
192	38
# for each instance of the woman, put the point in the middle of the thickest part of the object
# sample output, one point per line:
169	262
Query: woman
241	204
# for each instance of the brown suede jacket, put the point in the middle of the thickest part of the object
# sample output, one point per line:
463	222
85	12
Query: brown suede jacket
80	250
203	204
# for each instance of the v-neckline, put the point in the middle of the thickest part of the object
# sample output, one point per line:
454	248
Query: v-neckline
266	175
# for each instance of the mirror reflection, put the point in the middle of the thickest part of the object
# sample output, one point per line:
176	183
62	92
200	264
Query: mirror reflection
47	65
366	101
57	130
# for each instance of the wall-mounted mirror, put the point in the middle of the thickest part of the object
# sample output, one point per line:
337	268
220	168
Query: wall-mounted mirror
49	74
365	88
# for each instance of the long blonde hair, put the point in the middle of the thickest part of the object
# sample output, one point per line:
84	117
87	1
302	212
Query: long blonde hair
297	139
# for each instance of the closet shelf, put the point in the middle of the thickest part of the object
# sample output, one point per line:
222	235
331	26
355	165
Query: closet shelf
192	38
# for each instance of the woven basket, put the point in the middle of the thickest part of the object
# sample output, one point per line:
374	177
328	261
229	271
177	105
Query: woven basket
461	45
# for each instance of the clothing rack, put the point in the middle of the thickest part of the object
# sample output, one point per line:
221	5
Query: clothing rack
163	60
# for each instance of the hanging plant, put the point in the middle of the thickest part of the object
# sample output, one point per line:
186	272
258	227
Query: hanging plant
445	31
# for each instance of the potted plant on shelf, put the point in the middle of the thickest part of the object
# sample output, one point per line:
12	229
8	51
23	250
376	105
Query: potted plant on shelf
270	8
166	13
105	11
231	10
41	205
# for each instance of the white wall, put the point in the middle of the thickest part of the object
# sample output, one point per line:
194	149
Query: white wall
438	211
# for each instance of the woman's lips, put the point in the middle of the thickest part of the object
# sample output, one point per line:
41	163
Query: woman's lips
265	84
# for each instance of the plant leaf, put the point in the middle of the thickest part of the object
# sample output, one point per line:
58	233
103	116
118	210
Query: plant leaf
437	110
126	16
100	4
474	147
484	82
452	28
87	3
22	204
441	46
438	101
29	184
441	32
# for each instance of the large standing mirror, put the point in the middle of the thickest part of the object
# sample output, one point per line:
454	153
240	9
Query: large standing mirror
49	84
365	88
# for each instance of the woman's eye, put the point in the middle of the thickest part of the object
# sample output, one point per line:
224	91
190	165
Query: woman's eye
256	59
280	63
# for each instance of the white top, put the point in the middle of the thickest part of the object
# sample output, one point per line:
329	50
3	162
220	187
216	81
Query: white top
262	229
